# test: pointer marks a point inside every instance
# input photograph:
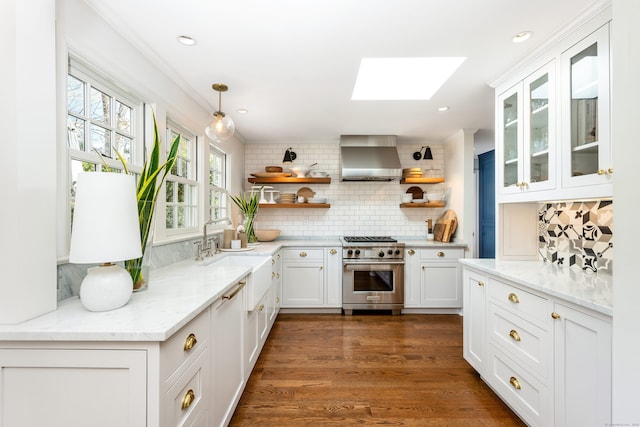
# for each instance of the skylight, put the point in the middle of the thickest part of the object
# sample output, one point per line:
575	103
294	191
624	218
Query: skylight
384	79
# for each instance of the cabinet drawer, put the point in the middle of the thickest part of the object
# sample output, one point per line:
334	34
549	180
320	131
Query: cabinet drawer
441	254
534	308
524	342
187	400
301	254
184	344
528	396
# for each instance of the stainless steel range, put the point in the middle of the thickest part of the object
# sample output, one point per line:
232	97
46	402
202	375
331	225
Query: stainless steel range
372	274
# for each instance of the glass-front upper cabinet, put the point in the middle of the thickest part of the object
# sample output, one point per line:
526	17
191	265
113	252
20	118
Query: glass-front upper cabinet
585	93
527	134
511	136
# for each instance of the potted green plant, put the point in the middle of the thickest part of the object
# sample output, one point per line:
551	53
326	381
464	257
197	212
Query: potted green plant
249	207
149	184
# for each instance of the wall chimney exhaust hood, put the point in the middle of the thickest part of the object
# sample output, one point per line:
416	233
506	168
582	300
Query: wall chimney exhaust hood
369	158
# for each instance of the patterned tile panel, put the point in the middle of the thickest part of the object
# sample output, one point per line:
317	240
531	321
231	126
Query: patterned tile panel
577	234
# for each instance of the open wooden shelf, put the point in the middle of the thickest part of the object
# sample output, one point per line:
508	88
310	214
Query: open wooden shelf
423	180
422	205
290	180
294	205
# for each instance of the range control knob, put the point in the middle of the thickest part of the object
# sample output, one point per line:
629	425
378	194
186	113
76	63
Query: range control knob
380	254
349	252
390	251
397	251
357	251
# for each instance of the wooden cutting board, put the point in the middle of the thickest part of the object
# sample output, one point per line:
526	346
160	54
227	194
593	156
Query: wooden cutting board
442	231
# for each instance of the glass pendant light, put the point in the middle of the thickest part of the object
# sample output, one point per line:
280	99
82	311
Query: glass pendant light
221	127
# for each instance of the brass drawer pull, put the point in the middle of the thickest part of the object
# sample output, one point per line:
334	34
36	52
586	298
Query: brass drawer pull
514	335
514	298
303	254
190	342
188	399
480	283
333	252
440	254
555	315
515	383
411	252
234	293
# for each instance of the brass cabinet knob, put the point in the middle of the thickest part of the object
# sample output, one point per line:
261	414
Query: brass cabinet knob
188	399
610	170
514	298
411	252
601	171
273	261
515	383
273	274
480	283
303	254
277	299
261	307
333	252
555	315
190	342
514	335
440	254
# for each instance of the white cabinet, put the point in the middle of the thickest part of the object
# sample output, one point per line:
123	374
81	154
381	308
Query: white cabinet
59	387
432	278
113	383
333	279
303	278
526	149
312	277
553	122
587	158
228	377
474	339
582	367
276	287
550	360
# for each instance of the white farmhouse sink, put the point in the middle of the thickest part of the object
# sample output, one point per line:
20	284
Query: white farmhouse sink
258	281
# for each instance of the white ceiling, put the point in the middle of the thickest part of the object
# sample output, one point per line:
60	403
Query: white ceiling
293	63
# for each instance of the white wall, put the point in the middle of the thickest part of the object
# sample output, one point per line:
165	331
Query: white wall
459	155
626	155
27	87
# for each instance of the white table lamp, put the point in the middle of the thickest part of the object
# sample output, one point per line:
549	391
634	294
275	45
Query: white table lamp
105	230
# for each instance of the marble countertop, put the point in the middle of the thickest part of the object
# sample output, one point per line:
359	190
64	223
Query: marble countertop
593	291
177	294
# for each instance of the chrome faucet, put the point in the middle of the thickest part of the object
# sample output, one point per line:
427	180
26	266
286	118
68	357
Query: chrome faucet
205	244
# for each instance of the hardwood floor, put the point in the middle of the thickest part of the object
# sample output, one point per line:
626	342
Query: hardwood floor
368	369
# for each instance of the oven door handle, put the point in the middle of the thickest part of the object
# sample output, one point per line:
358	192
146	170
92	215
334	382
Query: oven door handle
377	265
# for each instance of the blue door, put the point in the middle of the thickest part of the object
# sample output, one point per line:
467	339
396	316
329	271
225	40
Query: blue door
487	205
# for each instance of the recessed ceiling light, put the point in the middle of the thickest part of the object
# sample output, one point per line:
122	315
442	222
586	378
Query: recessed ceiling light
242	110
186	40
385	79
520	37
443	108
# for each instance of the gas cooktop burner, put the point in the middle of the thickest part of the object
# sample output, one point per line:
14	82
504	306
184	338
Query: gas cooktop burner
368	239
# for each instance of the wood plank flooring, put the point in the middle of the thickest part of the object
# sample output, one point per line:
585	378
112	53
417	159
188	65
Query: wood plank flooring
367	369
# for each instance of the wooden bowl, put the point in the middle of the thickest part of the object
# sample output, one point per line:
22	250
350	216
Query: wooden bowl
267	235
273	169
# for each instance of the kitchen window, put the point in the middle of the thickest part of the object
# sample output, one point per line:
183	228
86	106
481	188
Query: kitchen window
181	185
218	207
101	119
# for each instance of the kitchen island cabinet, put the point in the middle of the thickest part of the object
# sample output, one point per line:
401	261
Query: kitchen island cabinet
540	336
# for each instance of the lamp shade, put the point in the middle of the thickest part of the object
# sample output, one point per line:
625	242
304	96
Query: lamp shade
105	219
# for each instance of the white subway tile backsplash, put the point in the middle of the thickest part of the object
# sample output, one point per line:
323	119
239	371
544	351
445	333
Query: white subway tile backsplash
356	207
